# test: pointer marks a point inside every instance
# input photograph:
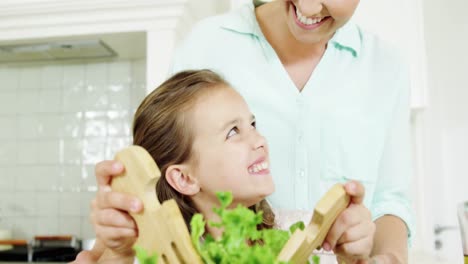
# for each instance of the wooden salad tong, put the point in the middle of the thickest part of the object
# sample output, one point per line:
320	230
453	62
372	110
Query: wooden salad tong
161	228
302	243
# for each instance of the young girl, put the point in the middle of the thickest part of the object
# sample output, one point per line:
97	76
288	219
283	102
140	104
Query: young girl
202	136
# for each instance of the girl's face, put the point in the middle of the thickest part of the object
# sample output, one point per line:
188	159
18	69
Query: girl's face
228	152
313	21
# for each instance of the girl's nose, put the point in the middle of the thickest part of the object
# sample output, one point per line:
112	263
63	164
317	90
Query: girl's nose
309	7
258	141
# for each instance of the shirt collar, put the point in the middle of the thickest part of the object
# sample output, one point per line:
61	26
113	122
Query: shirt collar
348	37
243	21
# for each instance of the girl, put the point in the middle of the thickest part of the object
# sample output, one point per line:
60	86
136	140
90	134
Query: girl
202	135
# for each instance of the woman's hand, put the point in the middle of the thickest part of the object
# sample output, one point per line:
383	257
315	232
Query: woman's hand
114	227
90	256
86	257
351	237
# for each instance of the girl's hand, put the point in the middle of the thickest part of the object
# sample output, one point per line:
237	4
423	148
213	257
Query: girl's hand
351	237
113	225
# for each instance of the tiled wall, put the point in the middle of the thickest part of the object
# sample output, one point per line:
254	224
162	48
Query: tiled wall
56	121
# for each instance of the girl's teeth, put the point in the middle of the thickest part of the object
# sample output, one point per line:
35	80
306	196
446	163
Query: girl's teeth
258	167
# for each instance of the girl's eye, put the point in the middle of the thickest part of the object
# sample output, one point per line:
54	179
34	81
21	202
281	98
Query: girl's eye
254	124
232	132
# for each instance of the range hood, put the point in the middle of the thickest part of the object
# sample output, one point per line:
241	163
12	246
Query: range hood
64	50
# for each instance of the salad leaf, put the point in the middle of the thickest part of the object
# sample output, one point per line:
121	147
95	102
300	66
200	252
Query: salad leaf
143	257
197	225
295	226
316	259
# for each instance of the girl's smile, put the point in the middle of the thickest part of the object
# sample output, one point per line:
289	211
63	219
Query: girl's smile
259	167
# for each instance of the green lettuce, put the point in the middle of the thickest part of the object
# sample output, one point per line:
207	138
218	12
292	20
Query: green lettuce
241	241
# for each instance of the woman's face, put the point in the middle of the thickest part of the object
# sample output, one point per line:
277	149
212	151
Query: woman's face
228	152
313	21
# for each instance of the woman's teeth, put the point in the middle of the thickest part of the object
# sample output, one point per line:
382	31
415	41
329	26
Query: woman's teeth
258	167
307	20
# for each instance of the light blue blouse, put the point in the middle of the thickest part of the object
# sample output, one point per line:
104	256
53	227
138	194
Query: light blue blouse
351	120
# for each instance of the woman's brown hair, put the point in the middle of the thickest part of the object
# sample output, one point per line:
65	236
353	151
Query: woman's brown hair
162	127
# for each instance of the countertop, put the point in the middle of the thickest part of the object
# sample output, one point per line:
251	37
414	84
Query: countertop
414	257
424	258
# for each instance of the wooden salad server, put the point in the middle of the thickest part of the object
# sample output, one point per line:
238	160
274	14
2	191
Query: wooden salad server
161	228
302	243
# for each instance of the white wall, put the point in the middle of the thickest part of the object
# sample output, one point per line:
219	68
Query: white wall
58	120
400	23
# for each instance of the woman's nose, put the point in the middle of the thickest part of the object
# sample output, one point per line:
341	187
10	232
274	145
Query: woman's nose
309	7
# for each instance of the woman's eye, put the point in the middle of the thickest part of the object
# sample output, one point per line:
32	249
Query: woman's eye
254	124
232	132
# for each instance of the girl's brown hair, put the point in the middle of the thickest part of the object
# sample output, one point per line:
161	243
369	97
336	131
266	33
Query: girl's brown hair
162	127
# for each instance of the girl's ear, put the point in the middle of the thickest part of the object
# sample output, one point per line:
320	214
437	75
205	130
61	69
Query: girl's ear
179	178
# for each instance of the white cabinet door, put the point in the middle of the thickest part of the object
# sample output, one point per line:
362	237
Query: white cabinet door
433	34
446	31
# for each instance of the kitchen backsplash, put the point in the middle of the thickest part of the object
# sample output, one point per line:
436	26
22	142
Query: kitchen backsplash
56	121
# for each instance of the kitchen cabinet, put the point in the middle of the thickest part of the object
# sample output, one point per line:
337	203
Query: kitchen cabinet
163	22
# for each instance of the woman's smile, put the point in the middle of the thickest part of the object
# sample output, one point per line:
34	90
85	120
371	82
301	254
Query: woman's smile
304	22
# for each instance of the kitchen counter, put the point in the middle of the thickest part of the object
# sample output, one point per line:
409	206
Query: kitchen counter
420	257
414	257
